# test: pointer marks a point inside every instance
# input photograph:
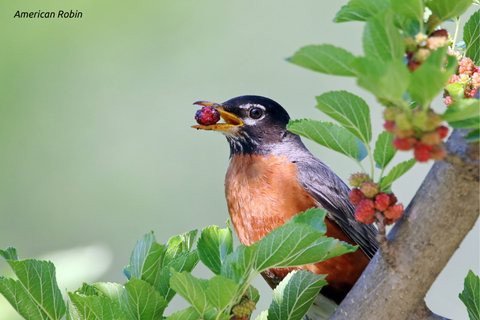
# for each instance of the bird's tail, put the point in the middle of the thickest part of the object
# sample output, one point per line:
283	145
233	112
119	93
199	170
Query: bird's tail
321	309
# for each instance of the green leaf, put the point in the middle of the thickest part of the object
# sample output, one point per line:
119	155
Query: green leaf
471	36
213	247
473	136
351	111
381	39
113	291
430	78
411	8
185	261
221	292
262	316
35	295
348	13
214	315
328	135
456	91
463	109
448	9
472	123
127	272
239	264
253	294
143	301
179	244
386	81
147	259
325	59
295	294
360	10
186	314
471	295
191	289
396	173
9	254
384	150
313	217
95	307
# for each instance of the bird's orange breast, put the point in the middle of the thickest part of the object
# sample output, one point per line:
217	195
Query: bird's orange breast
263	193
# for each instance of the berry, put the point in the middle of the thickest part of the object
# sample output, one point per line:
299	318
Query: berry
207	116
394	212
393	199
476	80
413	65
369	189
422	152
365	211
420	38
433	121
402	121
419	118
466	66
410	45
421	55
473	93
431	138
455	54
389	126
382	201
443	131
454	78
357	179
390	113
437	153
356	196
440	33
403	133
448	101
404	144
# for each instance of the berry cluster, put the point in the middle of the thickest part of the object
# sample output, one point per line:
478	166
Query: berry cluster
368	200
418	49
419	130
244	309
207	116
468	76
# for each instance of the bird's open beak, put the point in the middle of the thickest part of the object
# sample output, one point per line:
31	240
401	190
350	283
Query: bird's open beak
231	120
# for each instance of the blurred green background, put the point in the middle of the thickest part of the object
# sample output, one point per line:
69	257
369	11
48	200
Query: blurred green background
95	138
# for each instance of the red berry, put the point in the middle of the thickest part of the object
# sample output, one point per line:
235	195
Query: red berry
382	201
473	93
449	100
466	66
369	189
440	33
422	152
393	199
412	65
394	212
454	78
389	126
365	211
207	116
437	153
404	144
356	196
431	138
443	131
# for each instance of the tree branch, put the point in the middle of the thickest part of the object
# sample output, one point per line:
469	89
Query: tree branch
439	217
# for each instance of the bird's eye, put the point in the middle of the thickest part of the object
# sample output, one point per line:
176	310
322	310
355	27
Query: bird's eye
256	113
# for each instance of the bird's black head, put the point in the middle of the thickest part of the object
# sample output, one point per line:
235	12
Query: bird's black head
252	123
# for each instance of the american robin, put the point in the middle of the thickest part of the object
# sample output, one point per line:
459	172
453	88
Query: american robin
272	177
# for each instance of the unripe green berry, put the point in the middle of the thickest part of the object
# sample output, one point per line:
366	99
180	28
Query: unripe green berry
419	118
410	44
357	179
402	121
433	122
390	113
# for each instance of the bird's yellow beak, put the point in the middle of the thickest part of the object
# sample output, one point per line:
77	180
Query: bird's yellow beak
231	120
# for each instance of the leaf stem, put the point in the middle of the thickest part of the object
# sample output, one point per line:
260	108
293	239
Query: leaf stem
370	157
457	22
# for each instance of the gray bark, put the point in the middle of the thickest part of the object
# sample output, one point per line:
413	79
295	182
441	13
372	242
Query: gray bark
420	244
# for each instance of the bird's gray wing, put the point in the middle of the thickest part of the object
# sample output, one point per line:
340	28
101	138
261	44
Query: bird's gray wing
332	194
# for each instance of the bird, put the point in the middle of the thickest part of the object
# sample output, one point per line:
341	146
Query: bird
271	177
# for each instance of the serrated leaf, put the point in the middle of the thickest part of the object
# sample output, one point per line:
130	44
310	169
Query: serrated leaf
471	36
387	81
214	315
456	91
9	254
471	295
191	289
384	150
186	314
143	302
325	59
221	291
113	291
473	136
178	244
146	260
213	247
351	111
93	308
462	110
239	264
295	294
313	217
263	316
252	294
411	8
36	291
185	261
382	40
328	135
348	13
472	123
396	173
447	9
430	78
360	10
